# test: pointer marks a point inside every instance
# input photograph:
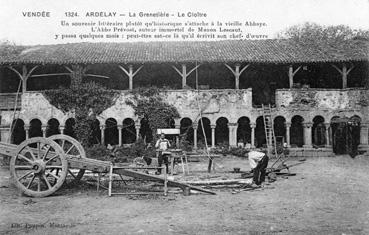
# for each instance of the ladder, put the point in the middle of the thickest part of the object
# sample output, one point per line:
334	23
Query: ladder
269	131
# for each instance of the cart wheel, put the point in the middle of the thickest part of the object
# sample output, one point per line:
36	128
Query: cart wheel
31	167
72	148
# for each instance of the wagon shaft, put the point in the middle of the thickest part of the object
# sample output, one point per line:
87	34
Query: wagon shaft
8	149
88	164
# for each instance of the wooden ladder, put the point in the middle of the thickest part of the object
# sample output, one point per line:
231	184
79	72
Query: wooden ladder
269	130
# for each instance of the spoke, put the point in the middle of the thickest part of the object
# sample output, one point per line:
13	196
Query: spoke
25	175
70	172
26	167
47	151
29	184
62	145
25	158
54	167
69	149
38	150
47	182
49	173
39	184
51	159
31	152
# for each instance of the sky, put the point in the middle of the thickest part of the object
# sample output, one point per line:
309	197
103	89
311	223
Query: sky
276	14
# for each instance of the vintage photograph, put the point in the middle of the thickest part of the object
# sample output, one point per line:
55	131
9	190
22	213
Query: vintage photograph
184	117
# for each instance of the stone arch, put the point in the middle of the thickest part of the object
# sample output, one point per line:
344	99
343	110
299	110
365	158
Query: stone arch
222	131
186	129
200	134
52	127
111	131
297	131
18	134
128	131
318	131
35	128
279	123
260	138
243	130
69	127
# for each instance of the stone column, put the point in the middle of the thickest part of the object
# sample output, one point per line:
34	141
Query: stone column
232	134
288	136
328	135
61	128
253	126
26	128
177	126
307	135
194	126
138	127
43	128
102	129
364	143
119	135
213	135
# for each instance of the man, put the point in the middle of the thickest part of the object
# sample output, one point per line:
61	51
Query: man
258	163
162	145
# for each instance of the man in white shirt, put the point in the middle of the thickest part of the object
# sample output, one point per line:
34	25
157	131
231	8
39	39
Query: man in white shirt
161	145
258	163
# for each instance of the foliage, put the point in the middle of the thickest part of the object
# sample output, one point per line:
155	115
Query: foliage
99	152
86	101
148	104
9	49
312	33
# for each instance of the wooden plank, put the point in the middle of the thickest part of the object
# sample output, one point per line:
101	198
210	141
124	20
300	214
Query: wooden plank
135	174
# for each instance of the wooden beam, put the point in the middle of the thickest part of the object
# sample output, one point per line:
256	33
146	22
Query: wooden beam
184	73
130	73
237	73
291	74
344	72
24	75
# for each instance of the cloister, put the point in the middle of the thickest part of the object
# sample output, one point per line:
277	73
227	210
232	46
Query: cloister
318	94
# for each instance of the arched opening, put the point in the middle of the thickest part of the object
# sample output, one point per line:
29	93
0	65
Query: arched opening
345	135
186	130
205	122
52	127
297	131
145	131
128	131
69	127
221	131
318	132
260	138
280	129
96	132
18	132
35	128
243	130
111	132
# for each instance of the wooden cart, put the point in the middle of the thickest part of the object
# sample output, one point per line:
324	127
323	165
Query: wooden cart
39	166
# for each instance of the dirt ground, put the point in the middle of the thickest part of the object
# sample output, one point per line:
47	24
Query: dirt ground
327	196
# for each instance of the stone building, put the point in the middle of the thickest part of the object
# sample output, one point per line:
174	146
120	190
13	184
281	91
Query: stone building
320	93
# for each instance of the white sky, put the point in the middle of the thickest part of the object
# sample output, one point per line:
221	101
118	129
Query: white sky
278	14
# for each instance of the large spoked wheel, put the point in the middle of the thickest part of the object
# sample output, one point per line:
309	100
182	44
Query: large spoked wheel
32	167
71	148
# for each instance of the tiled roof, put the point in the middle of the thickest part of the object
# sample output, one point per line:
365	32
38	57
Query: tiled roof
257	51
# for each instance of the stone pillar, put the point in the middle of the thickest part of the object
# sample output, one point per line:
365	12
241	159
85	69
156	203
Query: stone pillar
232	134
288	136
328	135
26	128
212	135
61	128
43	128
102	129
119	135
253	126
364	143
307	135
194	126
138	127
177	126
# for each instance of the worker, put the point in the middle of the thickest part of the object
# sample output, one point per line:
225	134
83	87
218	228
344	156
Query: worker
162	145
258	162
